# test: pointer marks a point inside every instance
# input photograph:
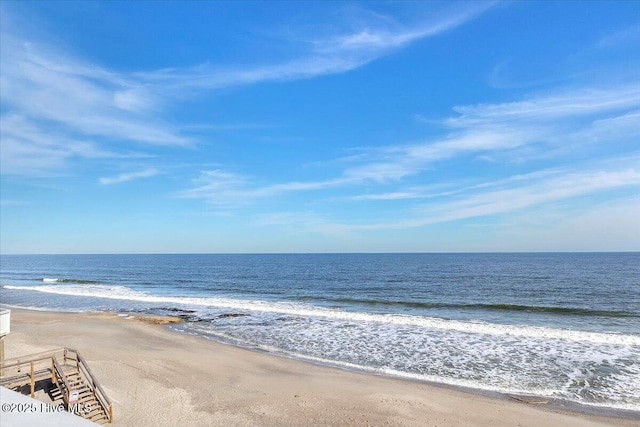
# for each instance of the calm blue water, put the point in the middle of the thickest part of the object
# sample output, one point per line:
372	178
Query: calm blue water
565	326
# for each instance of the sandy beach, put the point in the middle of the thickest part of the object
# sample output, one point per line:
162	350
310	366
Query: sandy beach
157	377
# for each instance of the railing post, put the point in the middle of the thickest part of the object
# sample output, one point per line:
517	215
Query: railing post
53	371
110	414
33	383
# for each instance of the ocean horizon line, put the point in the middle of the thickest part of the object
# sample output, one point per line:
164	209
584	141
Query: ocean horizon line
329	253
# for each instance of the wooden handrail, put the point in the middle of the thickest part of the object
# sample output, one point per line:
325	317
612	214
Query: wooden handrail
101	395
60	377
30	364
81	366
83	363
17	361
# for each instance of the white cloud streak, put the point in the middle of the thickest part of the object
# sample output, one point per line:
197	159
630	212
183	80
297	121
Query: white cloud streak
549	125
28	149
551	107
438	190
538	192
130	176
558	188
88	107
552	120
329	55
545	192
44	84
224	188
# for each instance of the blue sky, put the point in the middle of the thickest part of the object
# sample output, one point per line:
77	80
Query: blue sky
149	127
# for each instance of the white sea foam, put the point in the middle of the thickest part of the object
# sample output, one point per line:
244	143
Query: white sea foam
548	362
524	366
305	310
544	348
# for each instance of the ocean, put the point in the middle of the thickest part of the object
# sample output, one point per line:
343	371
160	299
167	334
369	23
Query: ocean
561	326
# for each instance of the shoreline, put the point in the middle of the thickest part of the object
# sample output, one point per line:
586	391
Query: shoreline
529	399
153	373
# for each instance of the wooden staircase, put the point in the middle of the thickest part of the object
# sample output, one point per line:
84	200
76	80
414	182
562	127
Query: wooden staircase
65	377
88	406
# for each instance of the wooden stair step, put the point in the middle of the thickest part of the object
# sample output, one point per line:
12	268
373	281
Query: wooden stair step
97	416
82	388
96	409
76	387
95	412
73	386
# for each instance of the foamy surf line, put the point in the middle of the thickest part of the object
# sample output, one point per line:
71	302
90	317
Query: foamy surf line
469	385
117	292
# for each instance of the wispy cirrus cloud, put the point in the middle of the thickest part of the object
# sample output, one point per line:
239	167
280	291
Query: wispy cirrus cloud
548	125
541	125
551	107
29	149
90	107
217	187
541	199
224	188
450	188
551	189
397	162
323	55
534	192
410	193
58	109
129	176
44	84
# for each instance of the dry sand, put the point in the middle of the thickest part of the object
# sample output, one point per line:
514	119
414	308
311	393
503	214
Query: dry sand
157	377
